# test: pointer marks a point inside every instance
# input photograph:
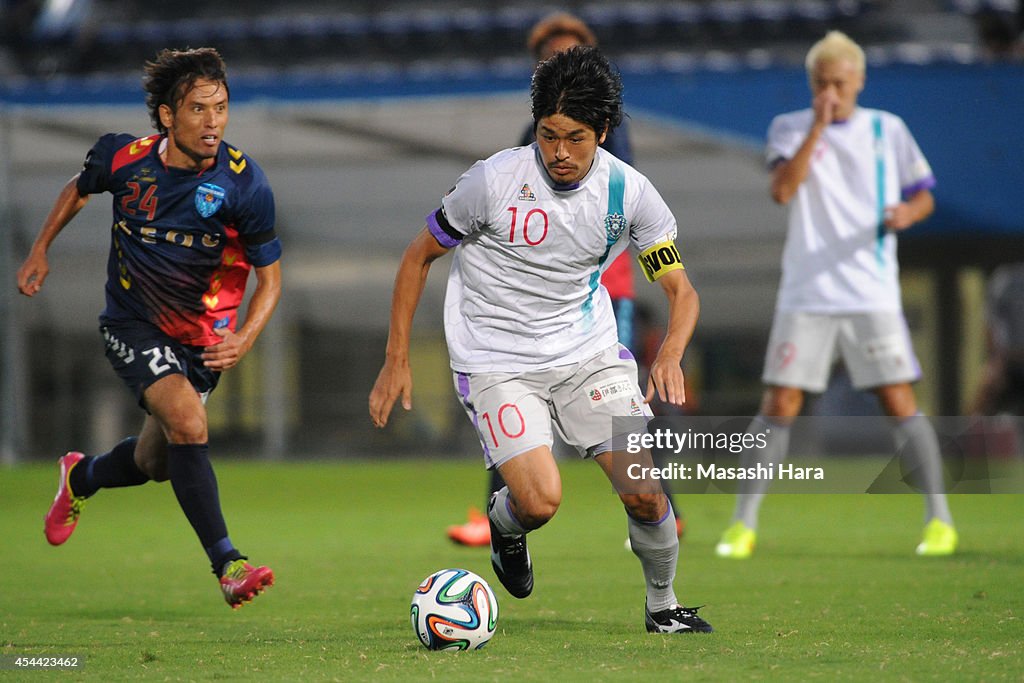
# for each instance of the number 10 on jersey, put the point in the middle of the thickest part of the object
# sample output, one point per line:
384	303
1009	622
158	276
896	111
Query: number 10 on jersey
535	226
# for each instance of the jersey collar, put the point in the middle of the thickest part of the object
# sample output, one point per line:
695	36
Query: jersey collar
161	147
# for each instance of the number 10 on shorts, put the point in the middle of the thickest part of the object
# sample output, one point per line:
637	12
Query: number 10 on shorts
509	422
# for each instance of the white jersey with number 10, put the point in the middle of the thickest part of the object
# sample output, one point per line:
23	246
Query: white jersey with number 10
524	291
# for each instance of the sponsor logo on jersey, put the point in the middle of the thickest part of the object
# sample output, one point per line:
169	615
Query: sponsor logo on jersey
145	175
526	194
614	224
634	407
209	198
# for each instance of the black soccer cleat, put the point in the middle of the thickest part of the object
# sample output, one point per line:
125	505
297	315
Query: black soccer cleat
676	619
511	560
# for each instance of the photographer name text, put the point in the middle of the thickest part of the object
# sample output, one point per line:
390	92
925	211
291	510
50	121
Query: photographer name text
700	471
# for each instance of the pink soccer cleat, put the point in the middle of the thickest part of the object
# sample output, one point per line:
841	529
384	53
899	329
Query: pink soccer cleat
62	517
242	582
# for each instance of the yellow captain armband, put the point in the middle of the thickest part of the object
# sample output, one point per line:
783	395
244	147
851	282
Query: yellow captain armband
657	260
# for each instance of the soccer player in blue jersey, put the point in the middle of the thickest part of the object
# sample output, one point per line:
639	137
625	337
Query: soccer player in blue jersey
192	215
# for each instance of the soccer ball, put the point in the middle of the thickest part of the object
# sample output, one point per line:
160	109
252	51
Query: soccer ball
454	609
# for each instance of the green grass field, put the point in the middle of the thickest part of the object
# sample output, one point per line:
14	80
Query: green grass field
833	593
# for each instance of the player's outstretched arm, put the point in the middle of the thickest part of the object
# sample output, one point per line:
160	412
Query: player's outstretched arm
235	345
36	266
395	378
666	376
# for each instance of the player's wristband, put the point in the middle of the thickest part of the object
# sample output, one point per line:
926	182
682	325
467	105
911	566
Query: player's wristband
660	259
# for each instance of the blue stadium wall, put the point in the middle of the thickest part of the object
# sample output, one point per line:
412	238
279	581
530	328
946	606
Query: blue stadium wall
968	119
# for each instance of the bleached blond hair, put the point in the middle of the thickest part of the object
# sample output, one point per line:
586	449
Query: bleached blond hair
835	46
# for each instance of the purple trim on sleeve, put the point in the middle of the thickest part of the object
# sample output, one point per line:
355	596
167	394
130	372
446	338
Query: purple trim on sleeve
924	184
443	238
624	353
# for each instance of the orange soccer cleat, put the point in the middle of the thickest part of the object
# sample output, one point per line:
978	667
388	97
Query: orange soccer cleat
476	532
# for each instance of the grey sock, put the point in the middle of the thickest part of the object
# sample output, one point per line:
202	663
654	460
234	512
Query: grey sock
657	546
502	516
918	448
752	491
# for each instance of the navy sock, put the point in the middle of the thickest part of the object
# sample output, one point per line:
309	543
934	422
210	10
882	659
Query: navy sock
195	486
110	470
497	483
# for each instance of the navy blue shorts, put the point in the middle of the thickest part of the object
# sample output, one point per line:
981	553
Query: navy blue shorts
141	354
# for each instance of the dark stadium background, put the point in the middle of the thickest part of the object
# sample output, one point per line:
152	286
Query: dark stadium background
363	114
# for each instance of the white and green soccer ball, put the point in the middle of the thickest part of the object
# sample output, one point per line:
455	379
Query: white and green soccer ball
454	609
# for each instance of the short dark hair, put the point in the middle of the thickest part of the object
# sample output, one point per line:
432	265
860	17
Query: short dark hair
579	83
174	73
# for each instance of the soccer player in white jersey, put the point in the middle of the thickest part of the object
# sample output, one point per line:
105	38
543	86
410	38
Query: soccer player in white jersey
852	177
530	330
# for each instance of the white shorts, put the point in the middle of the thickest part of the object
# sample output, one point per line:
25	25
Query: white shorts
875	347
513	412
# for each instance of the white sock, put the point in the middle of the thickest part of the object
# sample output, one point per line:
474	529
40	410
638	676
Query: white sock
918	448
752	491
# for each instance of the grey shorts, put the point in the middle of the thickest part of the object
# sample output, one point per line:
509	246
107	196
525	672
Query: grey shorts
514	412
875	347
